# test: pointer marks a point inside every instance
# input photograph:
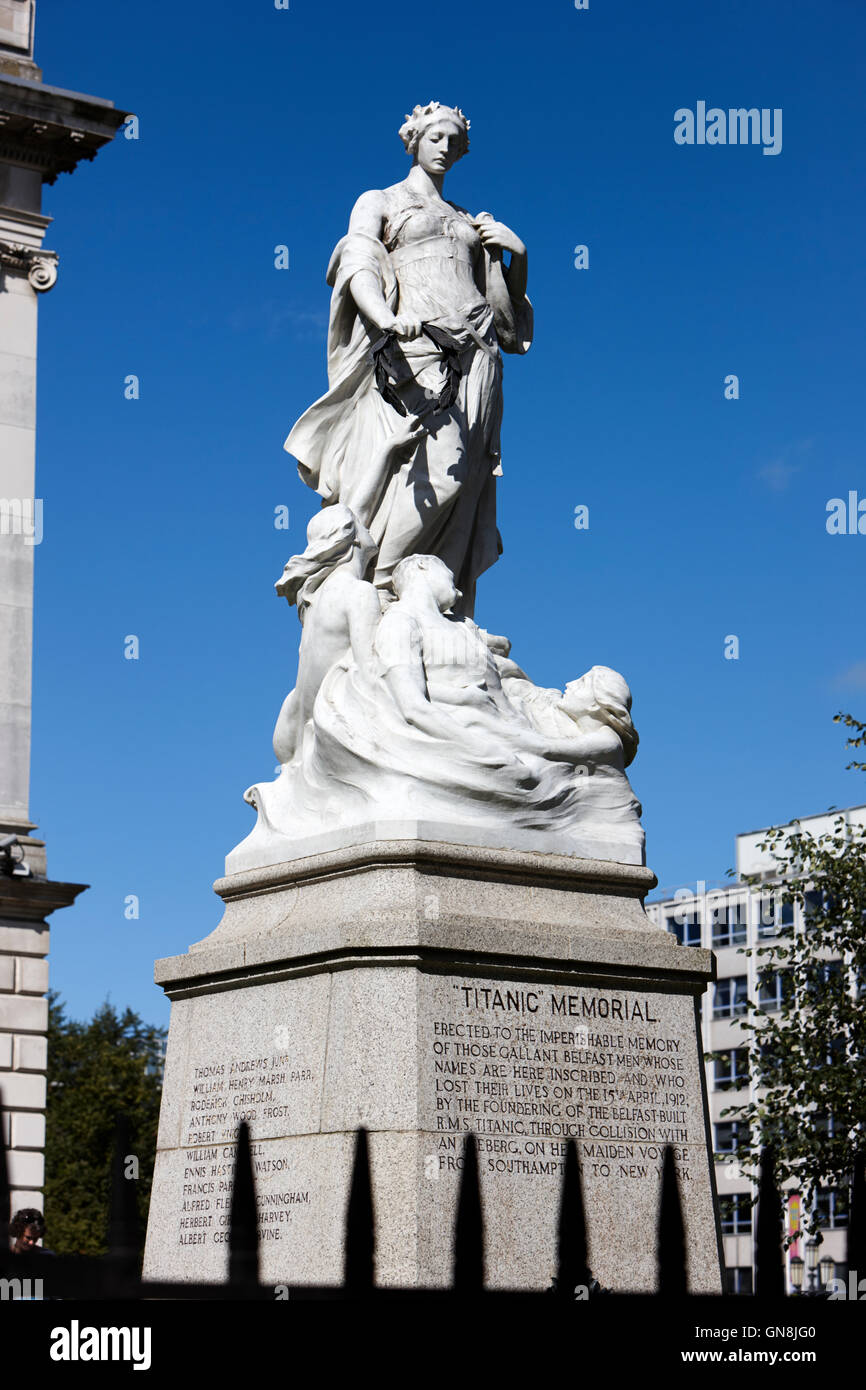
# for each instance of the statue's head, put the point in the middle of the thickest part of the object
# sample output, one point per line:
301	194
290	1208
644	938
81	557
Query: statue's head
333	535
436	136
430	571
603	694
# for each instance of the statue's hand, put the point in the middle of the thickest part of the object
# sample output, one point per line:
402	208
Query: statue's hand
499	646
497	235
407	328
403	441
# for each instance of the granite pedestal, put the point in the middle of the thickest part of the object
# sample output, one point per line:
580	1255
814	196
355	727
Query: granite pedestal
425	989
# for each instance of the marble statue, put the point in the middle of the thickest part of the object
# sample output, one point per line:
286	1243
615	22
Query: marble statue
423	305
417	713
404	710
339	553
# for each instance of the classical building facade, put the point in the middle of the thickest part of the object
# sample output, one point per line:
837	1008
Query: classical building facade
731	919
44	131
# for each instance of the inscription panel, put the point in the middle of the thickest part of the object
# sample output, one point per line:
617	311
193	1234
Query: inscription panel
421	1060
526	1068
221	1094
257	1056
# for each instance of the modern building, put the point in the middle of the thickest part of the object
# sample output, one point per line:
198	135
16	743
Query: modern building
731	919
44	131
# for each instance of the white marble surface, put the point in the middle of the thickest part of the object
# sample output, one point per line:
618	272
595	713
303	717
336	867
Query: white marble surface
413	265
415	713
404	708
251	853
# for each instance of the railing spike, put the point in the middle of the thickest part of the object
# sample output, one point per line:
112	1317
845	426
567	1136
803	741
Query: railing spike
468	1278
672	1278
5	1196
769	1259
572	1268
243	1219
124	1232
359	1268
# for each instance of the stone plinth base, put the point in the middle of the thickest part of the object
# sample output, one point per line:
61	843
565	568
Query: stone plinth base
423	990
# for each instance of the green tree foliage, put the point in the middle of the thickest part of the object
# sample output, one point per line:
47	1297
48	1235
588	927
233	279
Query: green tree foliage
809	1054
108	1066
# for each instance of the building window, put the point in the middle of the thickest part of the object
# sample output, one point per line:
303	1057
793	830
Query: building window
774	989
729	924
831	1208
837	1050
769	1063
766	917
739	1280
731	1068
813	906
823	977
735	1210
730	997
775	917
823	1123
685	924
732	1137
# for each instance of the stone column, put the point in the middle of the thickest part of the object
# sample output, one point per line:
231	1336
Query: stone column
44	131
25	272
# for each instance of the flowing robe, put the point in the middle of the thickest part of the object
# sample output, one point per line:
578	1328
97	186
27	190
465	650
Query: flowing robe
431	264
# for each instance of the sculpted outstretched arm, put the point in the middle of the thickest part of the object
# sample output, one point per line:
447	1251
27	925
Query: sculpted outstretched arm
498	238
364	617
286	730
368	297
505	286
367	218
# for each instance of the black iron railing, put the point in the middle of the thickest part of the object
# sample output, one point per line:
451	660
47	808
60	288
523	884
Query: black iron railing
117	1275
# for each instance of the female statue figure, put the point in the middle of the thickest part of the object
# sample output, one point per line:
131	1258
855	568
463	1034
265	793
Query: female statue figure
404	710
422	306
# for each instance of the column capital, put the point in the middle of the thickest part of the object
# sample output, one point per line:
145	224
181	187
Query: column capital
40	266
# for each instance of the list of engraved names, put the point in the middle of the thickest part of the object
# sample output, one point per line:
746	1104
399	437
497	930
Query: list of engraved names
222	1093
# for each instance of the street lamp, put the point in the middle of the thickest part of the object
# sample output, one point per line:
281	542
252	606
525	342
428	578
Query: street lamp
812	1246
796	1270
826	1270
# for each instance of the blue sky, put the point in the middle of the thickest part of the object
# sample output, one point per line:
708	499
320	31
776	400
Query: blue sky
260	127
